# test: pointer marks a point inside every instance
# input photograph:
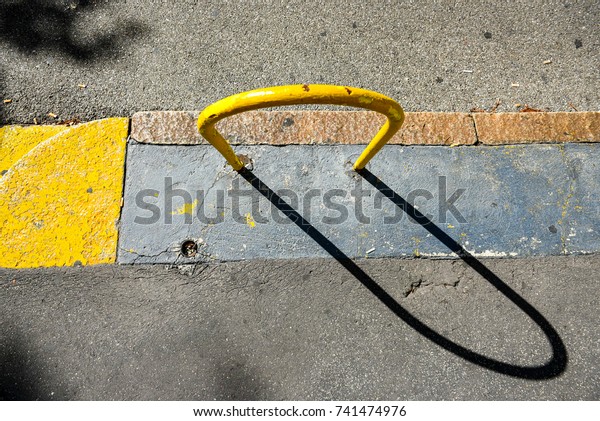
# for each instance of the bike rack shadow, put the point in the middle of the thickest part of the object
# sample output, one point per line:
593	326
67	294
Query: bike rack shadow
554	368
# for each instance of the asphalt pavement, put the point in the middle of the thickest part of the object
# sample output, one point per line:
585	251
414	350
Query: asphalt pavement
310	329
130	56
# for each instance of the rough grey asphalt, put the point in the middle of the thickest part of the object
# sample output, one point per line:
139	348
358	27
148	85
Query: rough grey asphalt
293	330
157	55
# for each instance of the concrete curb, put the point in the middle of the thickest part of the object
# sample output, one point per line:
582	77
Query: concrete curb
491	201
61	188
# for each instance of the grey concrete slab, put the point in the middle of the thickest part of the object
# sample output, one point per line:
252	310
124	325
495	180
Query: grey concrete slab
429	55
507	201
298	330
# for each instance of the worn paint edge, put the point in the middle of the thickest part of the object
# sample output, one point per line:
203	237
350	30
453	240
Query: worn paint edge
16	141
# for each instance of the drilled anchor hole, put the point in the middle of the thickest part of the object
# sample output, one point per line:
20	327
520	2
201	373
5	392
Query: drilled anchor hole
247	161
189	248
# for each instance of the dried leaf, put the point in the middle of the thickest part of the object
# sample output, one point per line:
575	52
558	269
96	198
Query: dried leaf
69	122
492	109
496	105
527	109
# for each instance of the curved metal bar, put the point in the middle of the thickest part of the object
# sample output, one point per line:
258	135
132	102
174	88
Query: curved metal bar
301	94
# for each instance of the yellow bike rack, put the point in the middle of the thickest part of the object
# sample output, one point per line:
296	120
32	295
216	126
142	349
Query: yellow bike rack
301	94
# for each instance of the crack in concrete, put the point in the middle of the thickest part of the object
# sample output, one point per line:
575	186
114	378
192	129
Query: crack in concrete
567	200
141	255
420	284
205	228
475	131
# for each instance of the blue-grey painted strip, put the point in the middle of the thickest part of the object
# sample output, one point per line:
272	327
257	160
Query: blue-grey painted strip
527	200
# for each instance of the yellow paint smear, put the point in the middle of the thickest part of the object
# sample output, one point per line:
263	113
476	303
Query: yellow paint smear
250	221
187	208
416	251
60	203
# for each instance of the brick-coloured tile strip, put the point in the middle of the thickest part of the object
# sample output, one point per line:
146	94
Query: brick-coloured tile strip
304	127
358	127
534	127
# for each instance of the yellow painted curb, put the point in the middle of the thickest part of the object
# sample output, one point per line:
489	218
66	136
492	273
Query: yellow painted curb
16	141
60	203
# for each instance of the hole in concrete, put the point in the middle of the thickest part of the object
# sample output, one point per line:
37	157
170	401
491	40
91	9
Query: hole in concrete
247	161
189	248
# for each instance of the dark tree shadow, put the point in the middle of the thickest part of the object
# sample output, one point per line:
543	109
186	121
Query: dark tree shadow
553	368
19	378
237	382
32	25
